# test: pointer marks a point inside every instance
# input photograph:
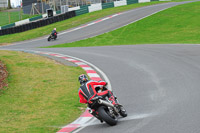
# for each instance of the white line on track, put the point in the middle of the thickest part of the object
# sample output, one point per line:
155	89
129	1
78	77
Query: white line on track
130	117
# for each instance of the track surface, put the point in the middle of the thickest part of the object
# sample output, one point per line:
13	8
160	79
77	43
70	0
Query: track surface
157	84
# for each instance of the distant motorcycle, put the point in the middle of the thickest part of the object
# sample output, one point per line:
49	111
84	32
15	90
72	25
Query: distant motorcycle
52	36
104	110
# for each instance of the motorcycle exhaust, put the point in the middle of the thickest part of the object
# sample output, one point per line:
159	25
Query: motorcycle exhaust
105	103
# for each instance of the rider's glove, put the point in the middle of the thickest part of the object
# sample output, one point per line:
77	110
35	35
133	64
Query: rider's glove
90	102
106	84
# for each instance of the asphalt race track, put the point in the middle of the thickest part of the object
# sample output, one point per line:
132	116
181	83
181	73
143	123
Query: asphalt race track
157	84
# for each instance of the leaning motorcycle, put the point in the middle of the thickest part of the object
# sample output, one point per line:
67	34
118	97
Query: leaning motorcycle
103	109
54	36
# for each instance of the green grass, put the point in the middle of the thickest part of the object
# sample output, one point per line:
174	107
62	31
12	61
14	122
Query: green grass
11	17
41	96
177	25
69	23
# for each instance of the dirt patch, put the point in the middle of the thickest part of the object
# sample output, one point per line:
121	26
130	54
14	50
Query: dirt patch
3	75
2	44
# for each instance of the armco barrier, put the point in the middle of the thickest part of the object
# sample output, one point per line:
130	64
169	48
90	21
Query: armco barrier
74	8
8	26
95	7
82	10
35	18
120	3
107	5
25	21
141	1
131	2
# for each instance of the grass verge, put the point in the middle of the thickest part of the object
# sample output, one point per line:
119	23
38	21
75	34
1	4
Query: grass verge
41	96
69	23
178	25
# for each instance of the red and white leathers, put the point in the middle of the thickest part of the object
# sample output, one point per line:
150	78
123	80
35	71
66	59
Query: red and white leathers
87	90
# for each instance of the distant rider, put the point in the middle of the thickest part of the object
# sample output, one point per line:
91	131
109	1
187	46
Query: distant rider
54	33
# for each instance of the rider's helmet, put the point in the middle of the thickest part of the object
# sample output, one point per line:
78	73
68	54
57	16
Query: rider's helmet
82	78
54	29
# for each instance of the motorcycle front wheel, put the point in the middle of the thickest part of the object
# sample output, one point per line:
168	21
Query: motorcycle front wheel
49	38
104	114
123	112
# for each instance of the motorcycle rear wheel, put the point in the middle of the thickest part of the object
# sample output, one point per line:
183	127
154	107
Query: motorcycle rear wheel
105	115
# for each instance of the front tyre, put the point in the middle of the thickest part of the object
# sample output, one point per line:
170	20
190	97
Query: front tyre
123	112
105	115
49	38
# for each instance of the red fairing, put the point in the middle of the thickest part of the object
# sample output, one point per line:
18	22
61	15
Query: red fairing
103	93
82	99
92	84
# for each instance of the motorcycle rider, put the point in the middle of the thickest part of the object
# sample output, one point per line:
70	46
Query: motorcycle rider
54	33
90	89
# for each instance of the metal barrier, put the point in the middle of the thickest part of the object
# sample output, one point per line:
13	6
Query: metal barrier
131	2
82	10
107	5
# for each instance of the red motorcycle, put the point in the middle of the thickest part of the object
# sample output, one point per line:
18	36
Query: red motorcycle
105	109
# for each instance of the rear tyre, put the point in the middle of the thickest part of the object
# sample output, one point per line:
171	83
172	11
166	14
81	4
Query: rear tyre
104	114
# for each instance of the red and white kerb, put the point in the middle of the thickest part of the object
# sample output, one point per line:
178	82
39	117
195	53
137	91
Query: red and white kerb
86	116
